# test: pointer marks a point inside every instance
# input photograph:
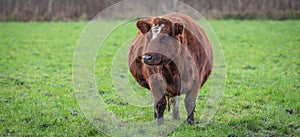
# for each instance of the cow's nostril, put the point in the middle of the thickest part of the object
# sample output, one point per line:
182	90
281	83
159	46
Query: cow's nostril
147	58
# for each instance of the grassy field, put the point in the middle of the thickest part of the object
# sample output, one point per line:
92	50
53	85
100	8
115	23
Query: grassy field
37	97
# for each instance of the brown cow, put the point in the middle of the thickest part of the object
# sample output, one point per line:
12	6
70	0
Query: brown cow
171	55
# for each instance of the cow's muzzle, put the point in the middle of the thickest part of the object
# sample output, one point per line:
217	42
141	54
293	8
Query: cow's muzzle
147	59
152	58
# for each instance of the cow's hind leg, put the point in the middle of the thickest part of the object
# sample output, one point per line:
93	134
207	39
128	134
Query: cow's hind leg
190	104
175	109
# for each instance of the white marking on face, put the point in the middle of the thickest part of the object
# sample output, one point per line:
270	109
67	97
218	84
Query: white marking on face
156	30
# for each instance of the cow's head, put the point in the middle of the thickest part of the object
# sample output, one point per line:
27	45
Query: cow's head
163	40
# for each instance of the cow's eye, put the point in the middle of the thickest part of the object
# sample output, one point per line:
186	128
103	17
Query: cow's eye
164	39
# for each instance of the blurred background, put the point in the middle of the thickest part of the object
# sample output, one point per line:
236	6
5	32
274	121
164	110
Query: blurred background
67	10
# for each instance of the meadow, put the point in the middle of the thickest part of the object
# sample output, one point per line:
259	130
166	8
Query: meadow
37	97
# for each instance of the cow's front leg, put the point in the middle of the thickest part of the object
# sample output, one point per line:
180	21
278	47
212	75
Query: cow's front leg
159	109
155	115
157	86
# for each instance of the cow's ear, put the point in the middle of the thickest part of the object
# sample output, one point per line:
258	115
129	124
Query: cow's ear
143	26
178	29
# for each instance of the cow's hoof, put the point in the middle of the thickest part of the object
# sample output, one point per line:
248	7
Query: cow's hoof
189	121
160	121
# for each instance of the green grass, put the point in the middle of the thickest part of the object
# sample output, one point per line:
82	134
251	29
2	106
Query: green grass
37	97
